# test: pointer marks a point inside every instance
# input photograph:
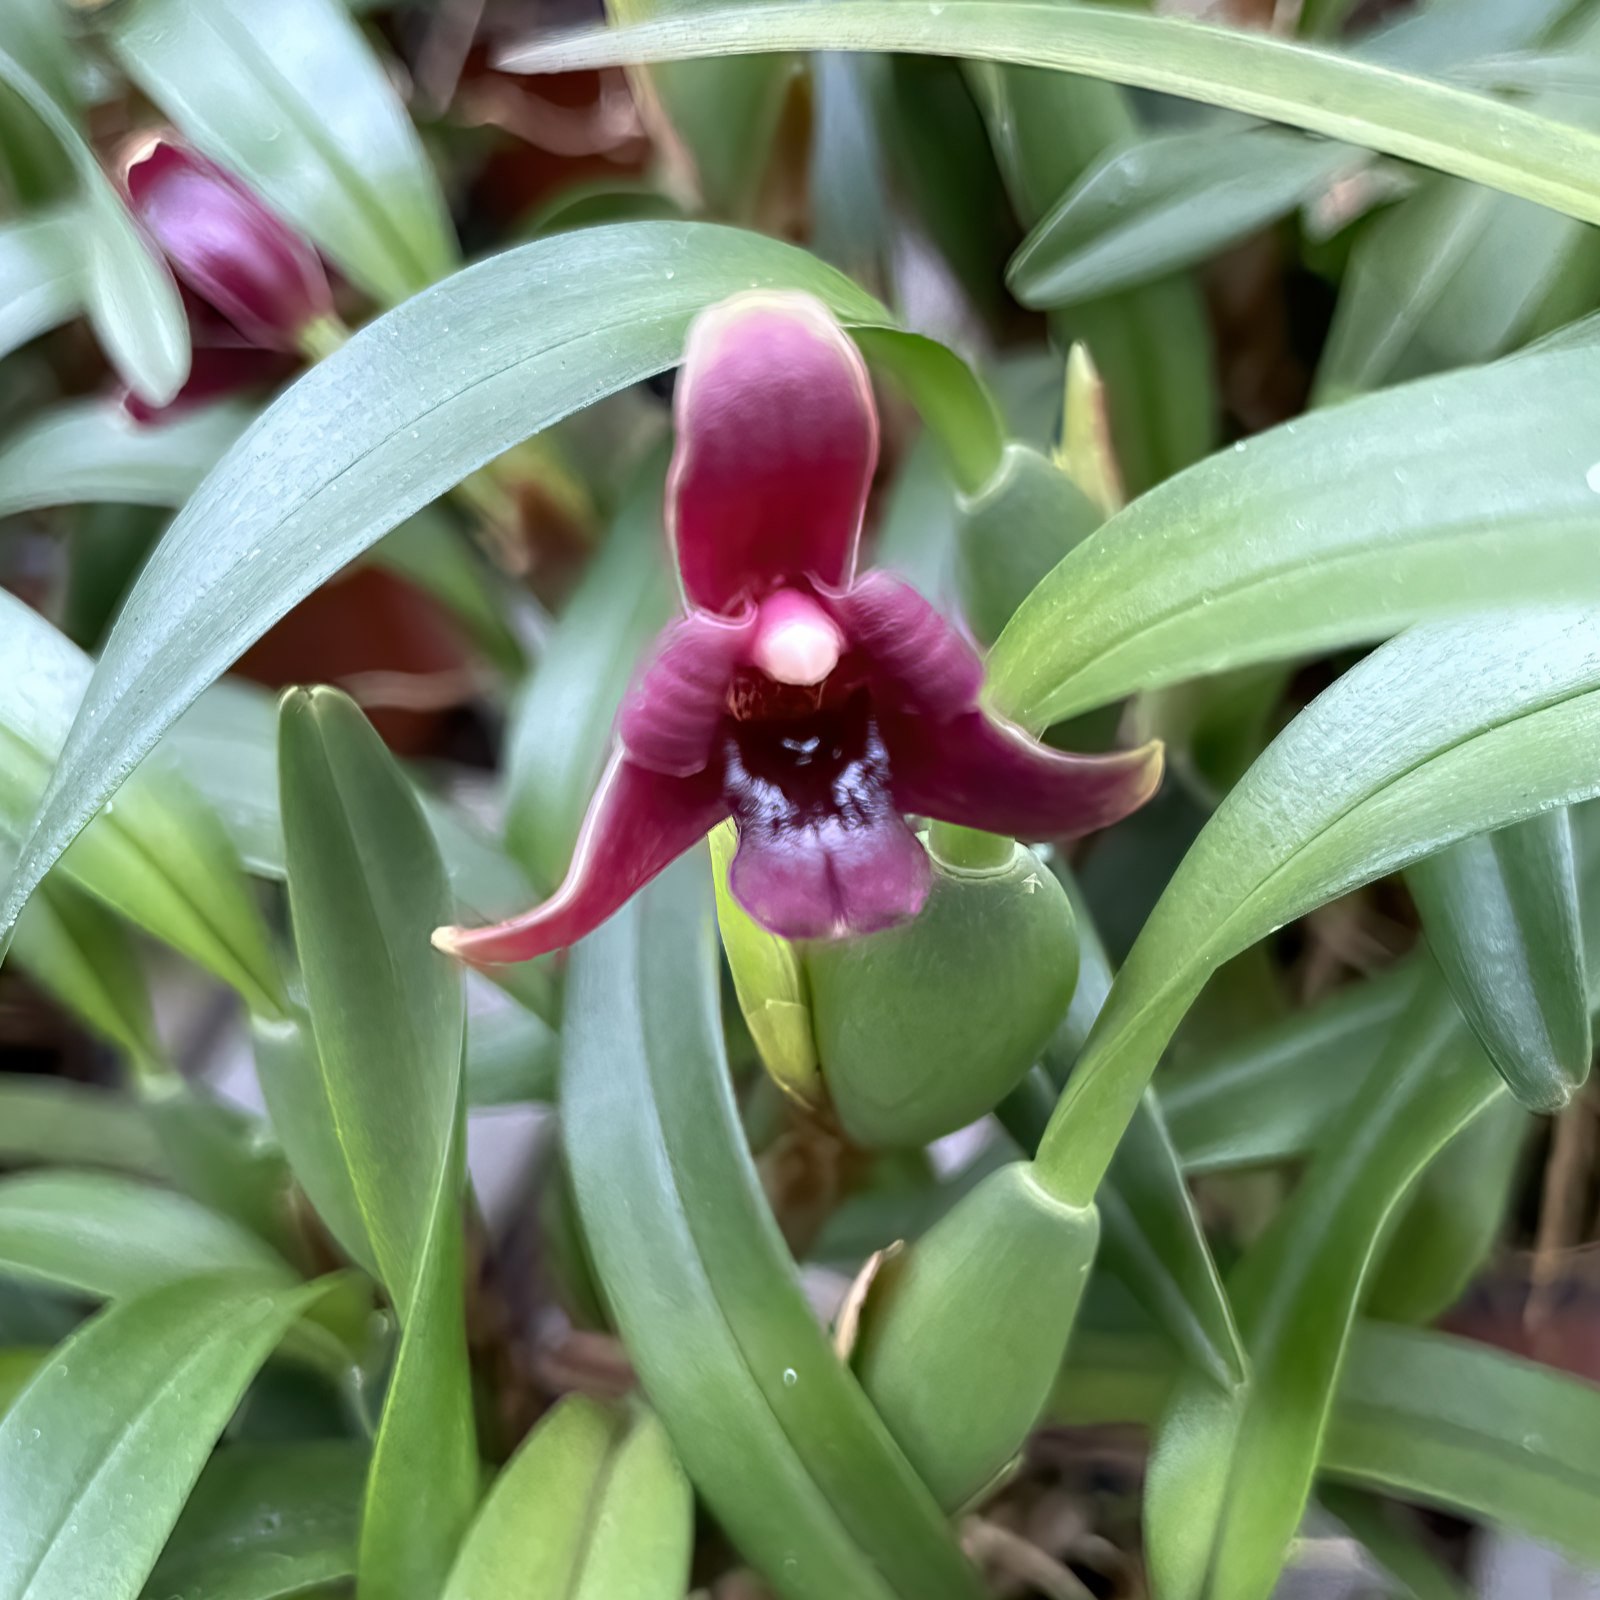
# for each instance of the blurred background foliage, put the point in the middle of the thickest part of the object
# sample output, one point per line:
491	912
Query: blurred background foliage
1116	265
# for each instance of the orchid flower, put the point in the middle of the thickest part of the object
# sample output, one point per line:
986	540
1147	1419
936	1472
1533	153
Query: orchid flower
226	246
815	706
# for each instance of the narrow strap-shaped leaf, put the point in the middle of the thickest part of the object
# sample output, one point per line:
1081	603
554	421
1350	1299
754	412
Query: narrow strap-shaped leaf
158	856
39	276
1429	1417
92	450
266	1521
1165	203
593	1505
770	1427
56	1122
1271	1095
290	96
366	888
317	479
1338	528
377	1104
105	1443
1228	1482
111	1237
1150	1233
1451	1219
84	957
1471	135
1443	732
1151	343
1501	914
1420	1415
131	298
720	116
1454	275
424	1478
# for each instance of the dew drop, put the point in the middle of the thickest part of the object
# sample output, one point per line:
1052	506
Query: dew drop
790	1377
1592	477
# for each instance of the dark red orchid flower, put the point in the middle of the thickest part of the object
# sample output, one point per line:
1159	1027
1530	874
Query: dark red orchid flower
814	706
238	256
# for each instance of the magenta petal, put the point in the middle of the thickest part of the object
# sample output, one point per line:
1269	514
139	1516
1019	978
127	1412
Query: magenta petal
918	661
639	822
670	717
986	774
227	246
777	441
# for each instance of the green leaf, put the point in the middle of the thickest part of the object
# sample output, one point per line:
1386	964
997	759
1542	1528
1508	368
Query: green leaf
1402	114
380	1091
1454	274
128	292
81	955
226	744
1152	344
265	1521
512	1057
319	477
157	855
291	98
1269	1097
1295	1293
1432	1418
89	450
38	276
424	1479
1338	528
112	1237
1501	914
560	731
366	888
1165	203
721	116
55	1122
772	1430
1446	731
1397	1550
593	1506
105	1443
1151	1237
1450	1220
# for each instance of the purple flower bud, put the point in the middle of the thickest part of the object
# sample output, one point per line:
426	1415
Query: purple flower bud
238	256
814	706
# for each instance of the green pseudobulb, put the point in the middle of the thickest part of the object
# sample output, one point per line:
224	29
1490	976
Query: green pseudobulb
963	1334
923	1028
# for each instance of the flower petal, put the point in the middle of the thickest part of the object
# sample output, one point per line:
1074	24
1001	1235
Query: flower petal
670	716
918	661
983	773
777	441
639	822
823	851
227	246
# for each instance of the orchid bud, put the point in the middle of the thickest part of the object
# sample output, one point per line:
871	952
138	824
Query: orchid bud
238	256
1012	532
924	1027
962	1334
